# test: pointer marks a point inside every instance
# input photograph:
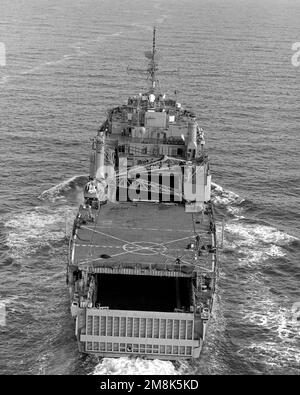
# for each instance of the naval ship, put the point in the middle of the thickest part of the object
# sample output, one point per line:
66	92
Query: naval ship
143	264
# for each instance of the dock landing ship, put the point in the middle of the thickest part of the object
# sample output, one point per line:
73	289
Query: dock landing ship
143	265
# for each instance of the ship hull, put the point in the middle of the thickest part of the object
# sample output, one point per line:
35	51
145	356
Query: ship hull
143	253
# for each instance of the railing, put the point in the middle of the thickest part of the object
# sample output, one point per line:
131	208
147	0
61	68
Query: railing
148	140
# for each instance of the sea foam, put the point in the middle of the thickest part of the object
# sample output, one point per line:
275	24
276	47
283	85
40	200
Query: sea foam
135	366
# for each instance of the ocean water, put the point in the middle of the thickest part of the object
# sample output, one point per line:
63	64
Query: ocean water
230	61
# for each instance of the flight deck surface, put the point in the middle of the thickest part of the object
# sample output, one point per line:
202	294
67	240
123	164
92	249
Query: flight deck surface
145	235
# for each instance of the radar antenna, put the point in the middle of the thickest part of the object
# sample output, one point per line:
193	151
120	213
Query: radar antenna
152	68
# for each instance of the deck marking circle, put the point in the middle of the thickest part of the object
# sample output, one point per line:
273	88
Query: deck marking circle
144	248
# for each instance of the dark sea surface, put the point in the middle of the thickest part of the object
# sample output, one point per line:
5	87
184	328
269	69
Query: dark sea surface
230	61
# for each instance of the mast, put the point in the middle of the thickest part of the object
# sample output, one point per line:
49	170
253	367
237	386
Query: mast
153	66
